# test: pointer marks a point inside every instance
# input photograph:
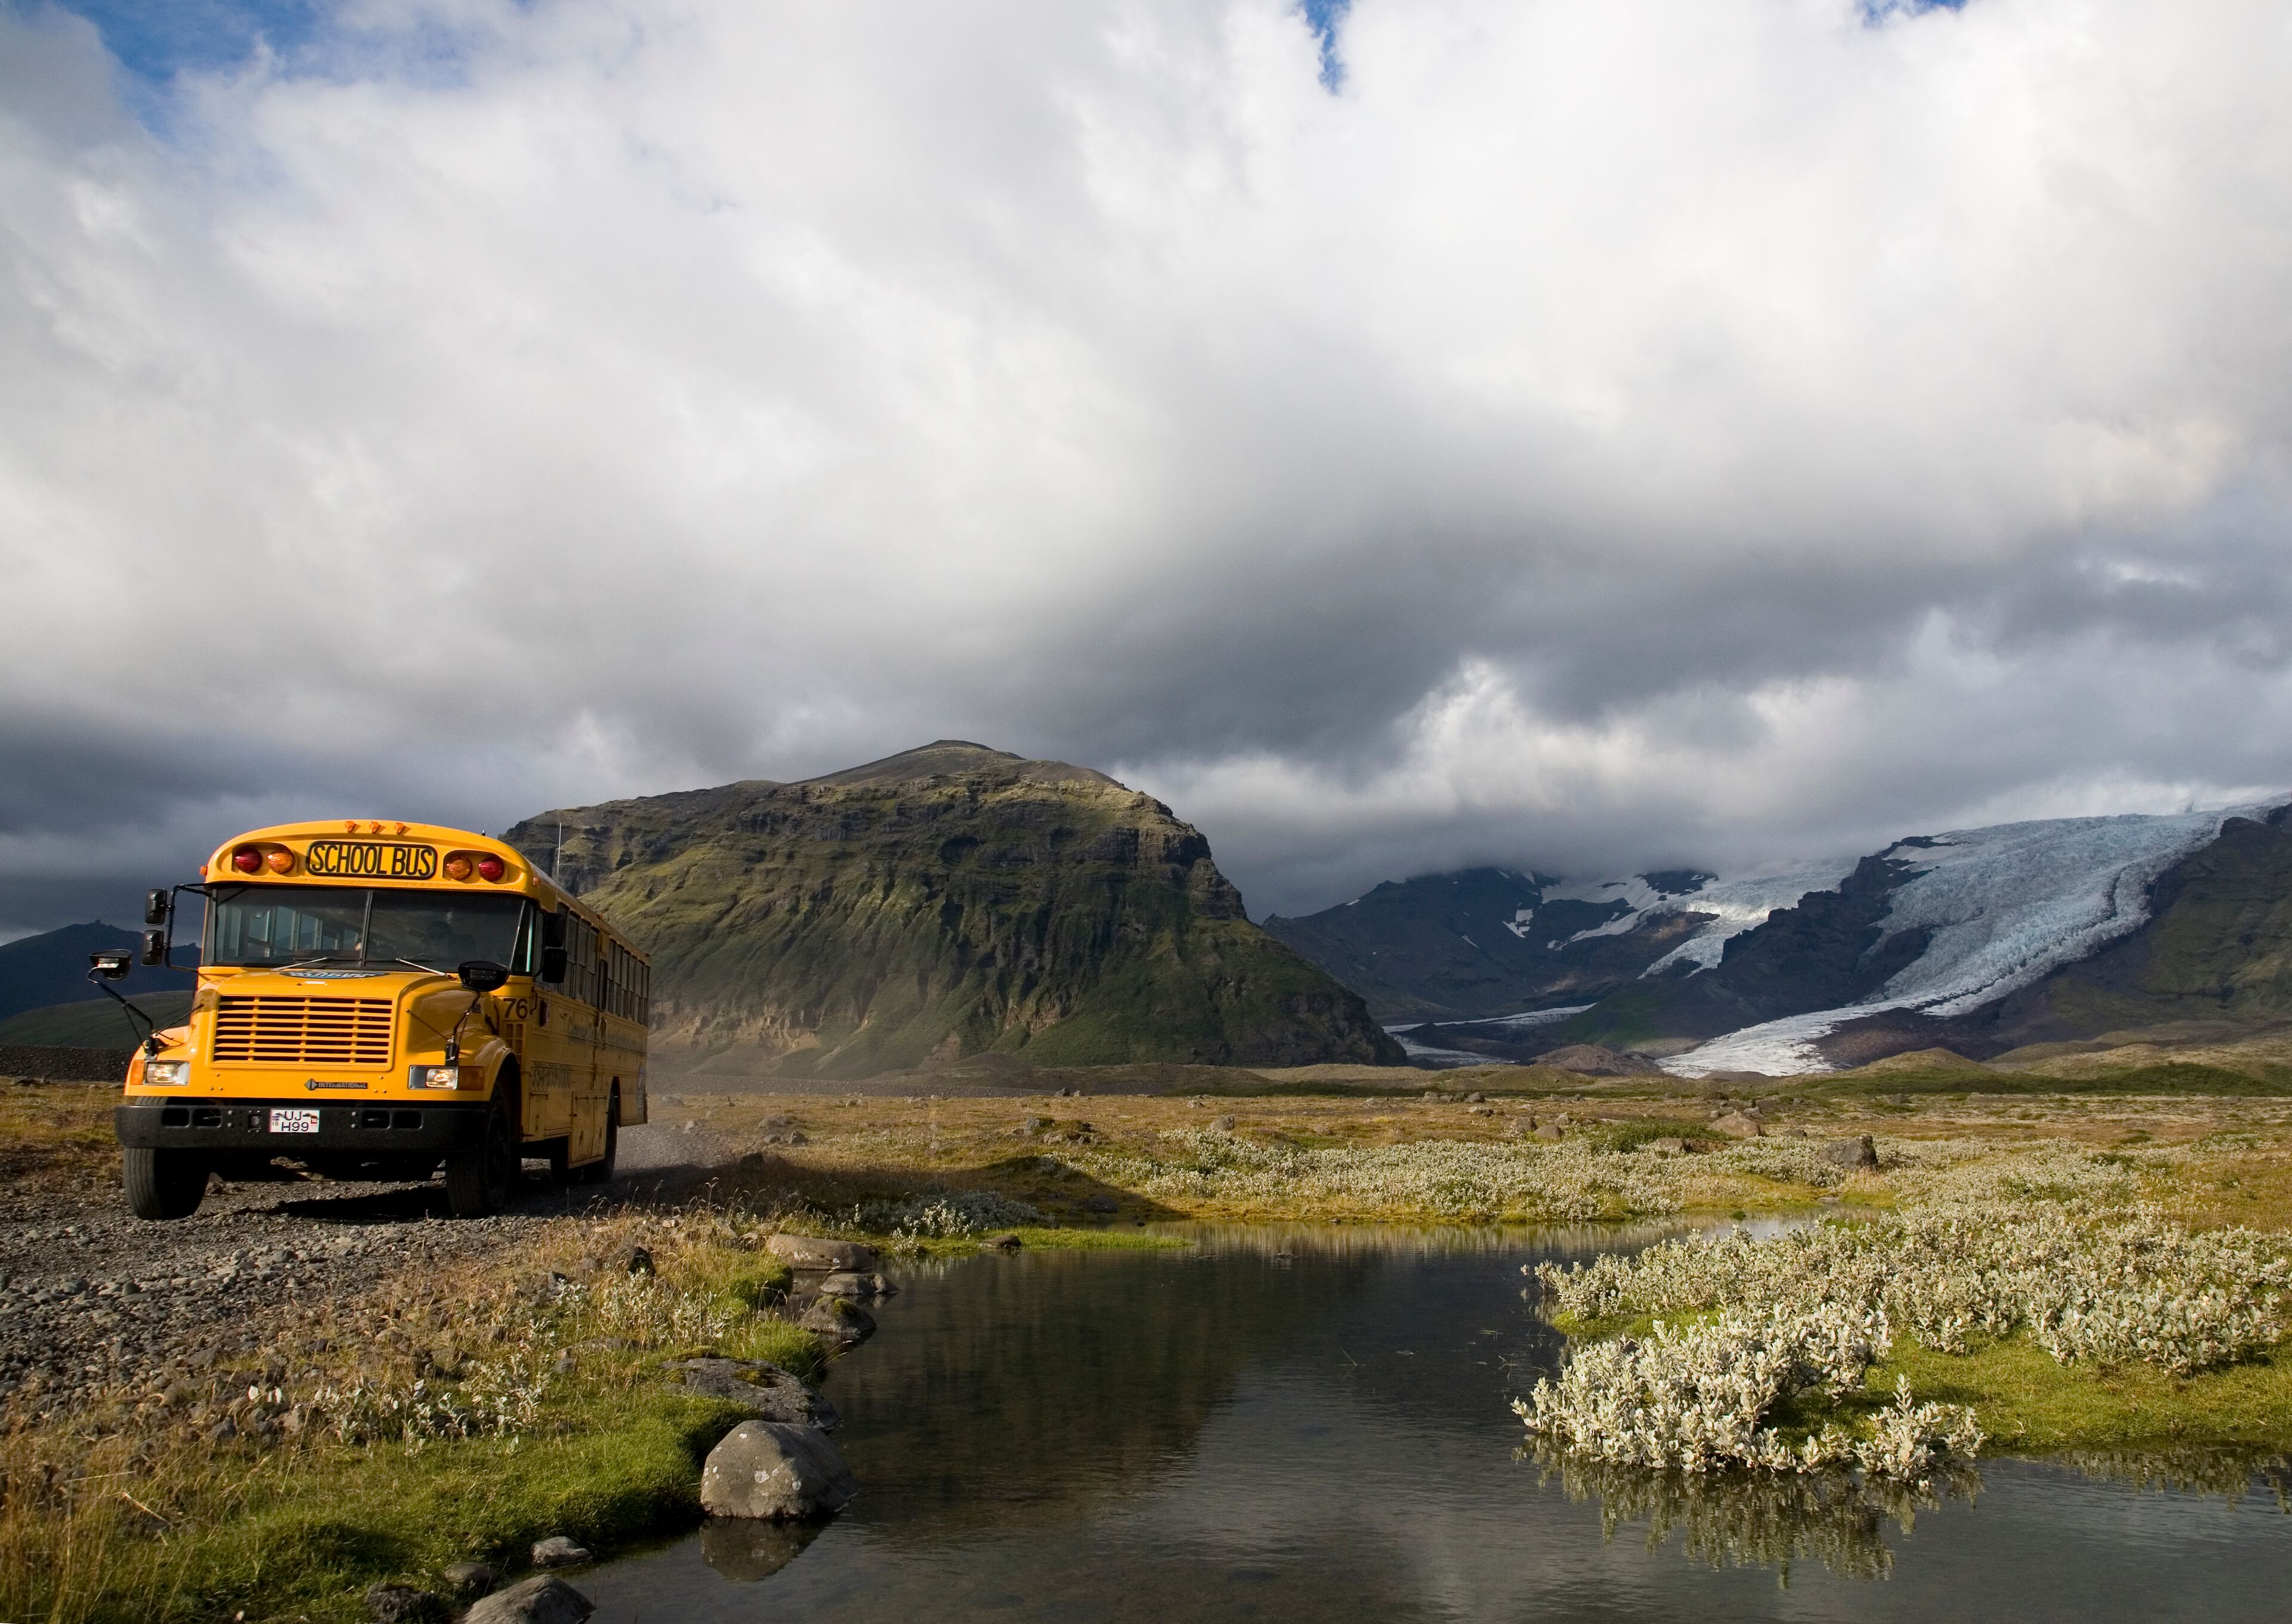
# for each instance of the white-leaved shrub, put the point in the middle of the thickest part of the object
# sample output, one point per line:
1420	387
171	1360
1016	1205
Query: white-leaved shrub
1702	1398
968	1212
2107	1288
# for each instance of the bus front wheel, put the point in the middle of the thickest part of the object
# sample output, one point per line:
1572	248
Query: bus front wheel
165	1184
482	1176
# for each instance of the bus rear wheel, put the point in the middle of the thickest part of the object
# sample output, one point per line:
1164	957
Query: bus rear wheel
165	1184
601	1171
482	1176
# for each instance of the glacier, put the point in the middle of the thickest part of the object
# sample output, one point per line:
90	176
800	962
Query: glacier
2005	905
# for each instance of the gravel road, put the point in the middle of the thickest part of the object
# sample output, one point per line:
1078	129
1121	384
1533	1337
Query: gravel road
92	1298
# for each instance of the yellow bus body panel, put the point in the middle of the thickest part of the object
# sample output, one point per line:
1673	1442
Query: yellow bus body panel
571	1057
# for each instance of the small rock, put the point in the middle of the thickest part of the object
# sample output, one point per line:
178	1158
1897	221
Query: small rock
1476	1099
636	1260
1034	1125
1004	1243
558	1552
1849	1152
543	1599
1667	1147
468	1578
845	1323
1737	1124
1483	1111
771	1469
764	1390
1898	1099
1547	1130
404	1604
1224	1125
754	1161
857	1287
1101	1204
1432	1093
815	1252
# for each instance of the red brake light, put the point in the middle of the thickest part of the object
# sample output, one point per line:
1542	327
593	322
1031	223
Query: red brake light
491	868
246	860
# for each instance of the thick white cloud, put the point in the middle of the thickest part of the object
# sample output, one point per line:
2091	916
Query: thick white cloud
1596	435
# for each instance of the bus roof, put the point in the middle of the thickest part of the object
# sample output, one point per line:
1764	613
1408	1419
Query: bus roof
389	852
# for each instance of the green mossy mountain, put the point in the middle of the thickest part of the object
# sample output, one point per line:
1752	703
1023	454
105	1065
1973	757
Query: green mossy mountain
949	902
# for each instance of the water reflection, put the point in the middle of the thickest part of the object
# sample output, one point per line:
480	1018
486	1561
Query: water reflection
744	1550
1311	1423
1771	1519
2230	1474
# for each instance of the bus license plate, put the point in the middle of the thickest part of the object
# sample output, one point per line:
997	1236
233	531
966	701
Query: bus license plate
293	1121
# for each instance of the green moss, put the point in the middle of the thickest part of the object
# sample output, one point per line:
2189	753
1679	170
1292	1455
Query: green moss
2170	1078
960	903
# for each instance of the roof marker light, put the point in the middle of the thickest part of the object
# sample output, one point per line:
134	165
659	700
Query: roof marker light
279	861
490	869
457	866
246	860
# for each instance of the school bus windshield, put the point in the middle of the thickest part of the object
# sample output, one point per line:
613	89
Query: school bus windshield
266	927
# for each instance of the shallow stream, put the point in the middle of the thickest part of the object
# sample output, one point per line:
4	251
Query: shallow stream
1308	1424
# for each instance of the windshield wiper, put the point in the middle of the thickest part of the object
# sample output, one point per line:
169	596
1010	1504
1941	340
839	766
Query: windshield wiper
412	964
308	964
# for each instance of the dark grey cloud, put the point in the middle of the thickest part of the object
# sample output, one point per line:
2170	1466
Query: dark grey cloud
1589	438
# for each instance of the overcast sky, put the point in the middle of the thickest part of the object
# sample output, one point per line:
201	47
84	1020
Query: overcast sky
1595	435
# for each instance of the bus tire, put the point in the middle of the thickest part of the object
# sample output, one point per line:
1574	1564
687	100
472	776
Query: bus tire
165	1184
482	1176
601	1171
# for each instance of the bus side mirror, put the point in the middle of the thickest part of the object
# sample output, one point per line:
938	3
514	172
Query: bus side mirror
483	975
110	964
155	946
552	964
156	906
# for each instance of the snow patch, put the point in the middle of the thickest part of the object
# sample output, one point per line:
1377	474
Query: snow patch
1525	1022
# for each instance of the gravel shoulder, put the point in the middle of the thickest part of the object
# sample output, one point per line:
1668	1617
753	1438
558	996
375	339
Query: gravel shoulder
93	1298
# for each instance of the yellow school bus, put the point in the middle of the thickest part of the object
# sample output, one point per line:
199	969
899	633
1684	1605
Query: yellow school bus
376	1000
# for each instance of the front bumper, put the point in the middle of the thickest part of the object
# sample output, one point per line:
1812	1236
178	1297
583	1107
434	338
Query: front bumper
374	1129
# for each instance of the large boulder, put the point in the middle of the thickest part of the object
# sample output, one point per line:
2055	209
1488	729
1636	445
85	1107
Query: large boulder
543	1599
764	1390
771	1469
1737	1124
816	1252
1849	1152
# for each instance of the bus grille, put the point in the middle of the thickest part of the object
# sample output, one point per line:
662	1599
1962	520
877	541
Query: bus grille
289	1031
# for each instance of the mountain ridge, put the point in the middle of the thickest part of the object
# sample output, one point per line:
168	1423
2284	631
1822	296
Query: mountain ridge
1980	939
945	901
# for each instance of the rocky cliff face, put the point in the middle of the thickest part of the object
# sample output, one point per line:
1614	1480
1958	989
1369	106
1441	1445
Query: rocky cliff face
1484	941
948	901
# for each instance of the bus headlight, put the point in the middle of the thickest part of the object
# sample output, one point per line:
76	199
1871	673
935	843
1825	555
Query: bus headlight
433	1076
167	1074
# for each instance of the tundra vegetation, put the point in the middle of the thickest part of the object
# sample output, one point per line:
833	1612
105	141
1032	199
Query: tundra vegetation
2094	1273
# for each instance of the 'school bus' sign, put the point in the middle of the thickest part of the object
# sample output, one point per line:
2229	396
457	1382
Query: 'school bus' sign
371	859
